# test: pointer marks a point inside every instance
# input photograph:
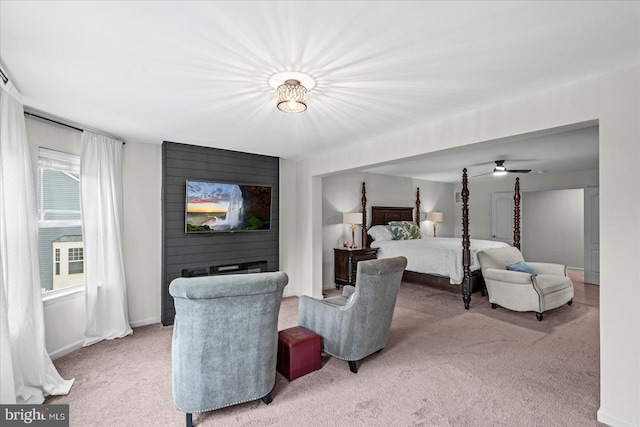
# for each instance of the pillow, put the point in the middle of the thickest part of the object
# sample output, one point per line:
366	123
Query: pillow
404	230
380	233
523	267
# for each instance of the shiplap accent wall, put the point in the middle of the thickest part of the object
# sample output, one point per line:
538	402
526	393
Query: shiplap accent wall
193	251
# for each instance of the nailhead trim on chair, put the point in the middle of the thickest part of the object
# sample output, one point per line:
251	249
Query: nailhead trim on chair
230	404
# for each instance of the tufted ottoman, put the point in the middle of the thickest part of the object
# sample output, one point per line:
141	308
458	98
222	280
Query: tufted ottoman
298	352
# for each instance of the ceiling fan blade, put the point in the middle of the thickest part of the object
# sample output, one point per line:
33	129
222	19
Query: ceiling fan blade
518	170
482	174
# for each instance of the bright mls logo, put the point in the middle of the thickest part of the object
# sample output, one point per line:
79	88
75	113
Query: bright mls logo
35	415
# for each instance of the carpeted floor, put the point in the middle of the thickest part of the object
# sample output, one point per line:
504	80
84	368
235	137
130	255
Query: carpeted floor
443	366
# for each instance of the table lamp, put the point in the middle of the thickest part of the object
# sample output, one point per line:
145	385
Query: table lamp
436	217
352	218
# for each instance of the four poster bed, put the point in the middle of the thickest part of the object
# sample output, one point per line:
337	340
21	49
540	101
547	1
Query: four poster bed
435	261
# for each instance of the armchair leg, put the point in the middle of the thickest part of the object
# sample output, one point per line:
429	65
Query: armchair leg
267	399
539	316
353	367
570	301
494	306
189	419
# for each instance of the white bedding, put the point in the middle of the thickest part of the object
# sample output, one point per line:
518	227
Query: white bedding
441	256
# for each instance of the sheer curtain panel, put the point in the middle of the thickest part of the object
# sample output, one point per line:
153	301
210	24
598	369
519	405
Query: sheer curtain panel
26	371
102	213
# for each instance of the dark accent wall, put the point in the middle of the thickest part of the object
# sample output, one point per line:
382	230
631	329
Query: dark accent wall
194	251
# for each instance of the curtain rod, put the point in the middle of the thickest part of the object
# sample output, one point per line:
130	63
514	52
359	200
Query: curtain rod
61	123
53	121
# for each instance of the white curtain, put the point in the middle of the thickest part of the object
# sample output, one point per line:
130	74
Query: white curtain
102	213
26	371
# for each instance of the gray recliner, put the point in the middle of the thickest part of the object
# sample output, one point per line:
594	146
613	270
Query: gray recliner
225	339
356	324
548	288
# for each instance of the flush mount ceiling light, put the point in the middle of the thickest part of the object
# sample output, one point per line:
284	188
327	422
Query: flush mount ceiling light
291	91
292	97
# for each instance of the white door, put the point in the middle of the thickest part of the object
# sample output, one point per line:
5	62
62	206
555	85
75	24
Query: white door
592	235
502	217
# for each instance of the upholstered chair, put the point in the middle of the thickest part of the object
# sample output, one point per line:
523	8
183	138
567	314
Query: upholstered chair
356	324
225	339
510	283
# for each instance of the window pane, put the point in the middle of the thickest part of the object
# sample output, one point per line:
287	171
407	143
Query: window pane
59	220
76	267
55	265
58	195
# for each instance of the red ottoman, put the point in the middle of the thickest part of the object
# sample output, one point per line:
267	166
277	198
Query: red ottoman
298	352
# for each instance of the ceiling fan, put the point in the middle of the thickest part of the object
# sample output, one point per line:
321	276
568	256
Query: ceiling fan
501	169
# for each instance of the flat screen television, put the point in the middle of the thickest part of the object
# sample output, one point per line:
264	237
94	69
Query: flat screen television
219	207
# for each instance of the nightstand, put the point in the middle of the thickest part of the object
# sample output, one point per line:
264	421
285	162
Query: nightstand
345	262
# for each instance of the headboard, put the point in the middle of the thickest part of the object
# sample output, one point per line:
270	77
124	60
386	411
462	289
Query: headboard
381	215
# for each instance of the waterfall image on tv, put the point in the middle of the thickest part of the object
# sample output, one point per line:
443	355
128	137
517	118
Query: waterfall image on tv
218	207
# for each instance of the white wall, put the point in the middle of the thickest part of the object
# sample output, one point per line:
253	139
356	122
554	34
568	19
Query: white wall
142	243
480	195
288	256
613	102
142	166
343	193
553	227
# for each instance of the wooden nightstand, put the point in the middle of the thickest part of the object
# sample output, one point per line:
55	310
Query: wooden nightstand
345	263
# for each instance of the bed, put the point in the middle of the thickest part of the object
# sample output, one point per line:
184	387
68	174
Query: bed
437	261
439	256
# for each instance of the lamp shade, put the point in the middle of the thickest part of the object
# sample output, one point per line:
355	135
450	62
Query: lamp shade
352	218
434	216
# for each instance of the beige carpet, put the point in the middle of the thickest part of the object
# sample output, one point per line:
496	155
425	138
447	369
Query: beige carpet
443	366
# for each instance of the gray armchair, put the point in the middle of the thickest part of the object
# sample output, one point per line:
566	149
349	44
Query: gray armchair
356	324
549	288
225	339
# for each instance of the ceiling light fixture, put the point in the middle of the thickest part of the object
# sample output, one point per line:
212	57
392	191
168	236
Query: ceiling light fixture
499	170
292	97
292	90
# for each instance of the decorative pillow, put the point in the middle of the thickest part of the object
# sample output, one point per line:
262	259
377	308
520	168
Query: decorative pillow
523	267
380	233
404	230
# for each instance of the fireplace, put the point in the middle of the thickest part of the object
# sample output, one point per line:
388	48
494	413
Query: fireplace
217	270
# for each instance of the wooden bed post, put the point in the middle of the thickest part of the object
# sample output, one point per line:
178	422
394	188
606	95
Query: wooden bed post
417	220
466	252
365	242
516	214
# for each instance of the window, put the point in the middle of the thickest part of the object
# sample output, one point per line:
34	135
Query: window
59	220
57	263
76	260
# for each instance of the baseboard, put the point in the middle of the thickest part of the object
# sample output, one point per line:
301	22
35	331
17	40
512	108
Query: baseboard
66	350
78	345
145	322
612	421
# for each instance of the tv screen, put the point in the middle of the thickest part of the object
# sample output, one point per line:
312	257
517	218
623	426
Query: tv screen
213	207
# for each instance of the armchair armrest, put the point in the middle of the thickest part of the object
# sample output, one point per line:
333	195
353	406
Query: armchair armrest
323	318
549	268
507	276
348	290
